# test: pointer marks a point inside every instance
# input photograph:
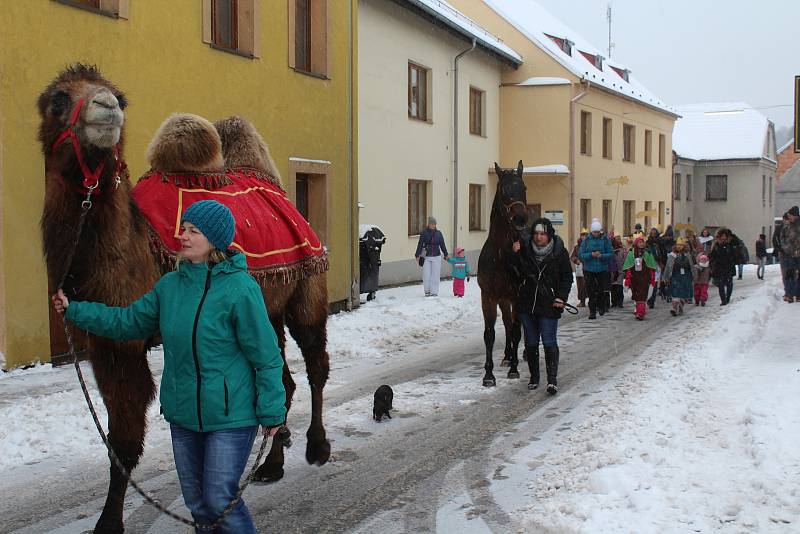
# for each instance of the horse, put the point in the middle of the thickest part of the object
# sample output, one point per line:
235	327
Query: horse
496	277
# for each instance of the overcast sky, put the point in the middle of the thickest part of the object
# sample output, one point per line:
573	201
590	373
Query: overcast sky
690	51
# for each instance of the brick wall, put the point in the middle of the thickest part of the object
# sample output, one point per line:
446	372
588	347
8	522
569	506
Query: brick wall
786	160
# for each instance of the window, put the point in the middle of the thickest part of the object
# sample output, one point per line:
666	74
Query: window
111	8
301	193
717	187
586	212
628	143
662	150
763	190
688	187
661	213
586	133
475	207
564	44
676	186
628	214
606	138
648	147
770	191
648	221
607	222
596	60
417	206
308	186
232	26
476	117
417	92
308	37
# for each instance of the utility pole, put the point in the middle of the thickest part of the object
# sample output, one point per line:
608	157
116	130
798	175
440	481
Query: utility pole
608	17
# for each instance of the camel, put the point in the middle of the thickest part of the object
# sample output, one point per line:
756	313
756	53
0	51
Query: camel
82	138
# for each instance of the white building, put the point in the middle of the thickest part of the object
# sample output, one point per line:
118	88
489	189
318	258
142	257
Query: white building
725	169
420	154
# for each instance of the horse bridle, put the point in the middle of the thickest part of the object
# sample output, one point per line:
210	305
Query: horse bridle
91	179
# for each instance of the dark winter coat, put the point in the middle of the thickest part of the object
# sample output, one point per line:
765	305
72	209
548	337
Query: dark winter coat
761	249
777	246
724	258
543	280
432	242
654	248
790	239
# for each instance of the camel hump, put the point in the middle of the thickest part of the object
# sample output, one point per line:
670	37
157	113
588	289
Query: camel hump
186	143
243	146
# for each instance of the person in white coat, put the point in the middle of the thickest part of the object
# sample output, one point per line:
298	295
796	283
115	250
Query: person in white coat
430	249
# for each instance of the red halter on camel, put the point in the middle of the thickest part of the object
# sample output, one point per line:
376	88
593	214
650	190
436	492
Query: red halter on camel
91	179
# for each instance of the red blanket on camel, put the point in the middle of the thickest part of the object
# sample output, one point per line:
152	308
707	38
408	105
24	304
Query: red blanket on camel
278	242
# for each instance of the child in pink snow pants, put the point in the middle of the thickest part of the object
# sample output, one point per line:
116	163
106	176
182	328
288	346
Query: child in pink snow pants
460	271
702	274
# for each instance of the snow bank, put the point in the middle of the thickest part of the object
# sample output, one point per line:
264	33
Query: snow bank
700	435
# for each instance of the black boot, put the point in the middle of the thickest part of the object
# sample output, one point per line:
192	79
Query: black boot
551	362
532	355
592	309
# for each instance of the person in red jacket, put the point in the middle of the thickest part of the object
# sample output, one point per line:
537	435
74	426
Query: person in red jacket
640	274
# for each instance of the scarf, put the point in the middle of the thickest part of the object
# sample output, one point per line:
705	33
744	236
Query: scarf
541	252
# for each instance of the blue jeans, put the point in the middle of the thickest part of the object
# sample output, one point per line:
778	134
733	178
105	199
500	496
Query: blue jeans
791	269
536	326
209	466
740	269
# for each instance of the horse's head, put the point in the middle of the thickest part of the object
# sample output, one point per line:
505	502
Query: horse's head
511	194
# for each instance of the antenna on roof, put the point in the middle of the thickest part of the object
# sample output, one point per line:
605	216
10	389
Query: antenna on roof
611	45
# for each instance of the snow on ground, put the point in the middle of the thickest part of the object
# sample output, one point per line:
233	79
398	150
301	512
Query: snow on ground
700	434
397	319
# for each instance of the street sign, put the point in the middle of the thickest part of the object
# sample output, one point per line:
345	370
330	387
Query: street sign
797	114
556	216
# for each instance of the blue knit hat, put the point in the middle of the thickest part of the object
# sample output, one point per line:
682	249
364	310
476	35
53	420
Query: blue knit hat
214	220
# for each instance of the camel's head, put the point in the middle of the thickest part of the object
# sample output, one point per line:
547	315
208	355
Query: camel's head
243	146
186	143
80	93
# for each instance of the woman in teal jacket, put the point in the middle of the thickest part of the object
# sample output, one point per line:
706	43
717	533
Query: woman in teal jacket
222	364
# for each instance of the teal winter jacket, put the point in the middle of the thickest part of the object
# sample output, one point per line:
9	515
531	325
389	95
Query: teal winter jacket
222	364
600	244
460	267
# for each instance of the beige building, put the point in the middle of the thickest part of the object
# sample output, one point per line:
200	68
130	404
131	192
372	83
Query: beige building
725	170
586	118
419	155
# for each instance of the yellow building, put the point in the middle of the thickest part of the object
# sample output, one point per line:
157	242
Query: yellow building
288	66
579	122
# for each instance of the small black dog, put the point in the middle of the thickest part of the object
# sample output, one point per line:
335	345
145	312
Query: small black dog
383	402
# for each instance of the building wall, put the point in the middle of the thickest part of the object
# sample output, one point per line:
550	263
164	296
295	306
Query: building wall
163	68
744	212
535	127
395	148
786	160
645	182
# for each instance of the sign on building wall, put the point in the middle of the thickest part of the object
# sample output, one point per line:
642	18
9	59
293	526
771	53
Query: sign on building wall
556	216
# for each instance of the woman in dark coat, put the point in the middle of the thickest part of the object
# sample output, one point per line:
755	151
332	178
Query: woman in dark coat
724	257
544	265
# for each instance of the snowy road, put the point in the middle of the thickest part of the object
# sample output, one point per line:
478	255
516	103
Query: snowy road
449	460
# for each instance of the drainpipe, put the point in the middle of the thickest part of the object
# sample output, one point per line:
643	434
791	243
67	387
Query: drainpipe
455	142
572	103
350	162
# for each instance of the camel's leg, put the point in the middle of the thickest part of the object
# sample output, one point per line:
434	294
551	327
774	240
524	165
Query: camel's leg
127	386
512	339
272	468
306	317
489	306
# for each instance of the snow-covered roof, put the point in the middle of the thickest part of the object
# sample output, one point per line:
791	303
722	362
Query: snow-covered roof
544	80
711	131
538	25
546	169
464	25
788	144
